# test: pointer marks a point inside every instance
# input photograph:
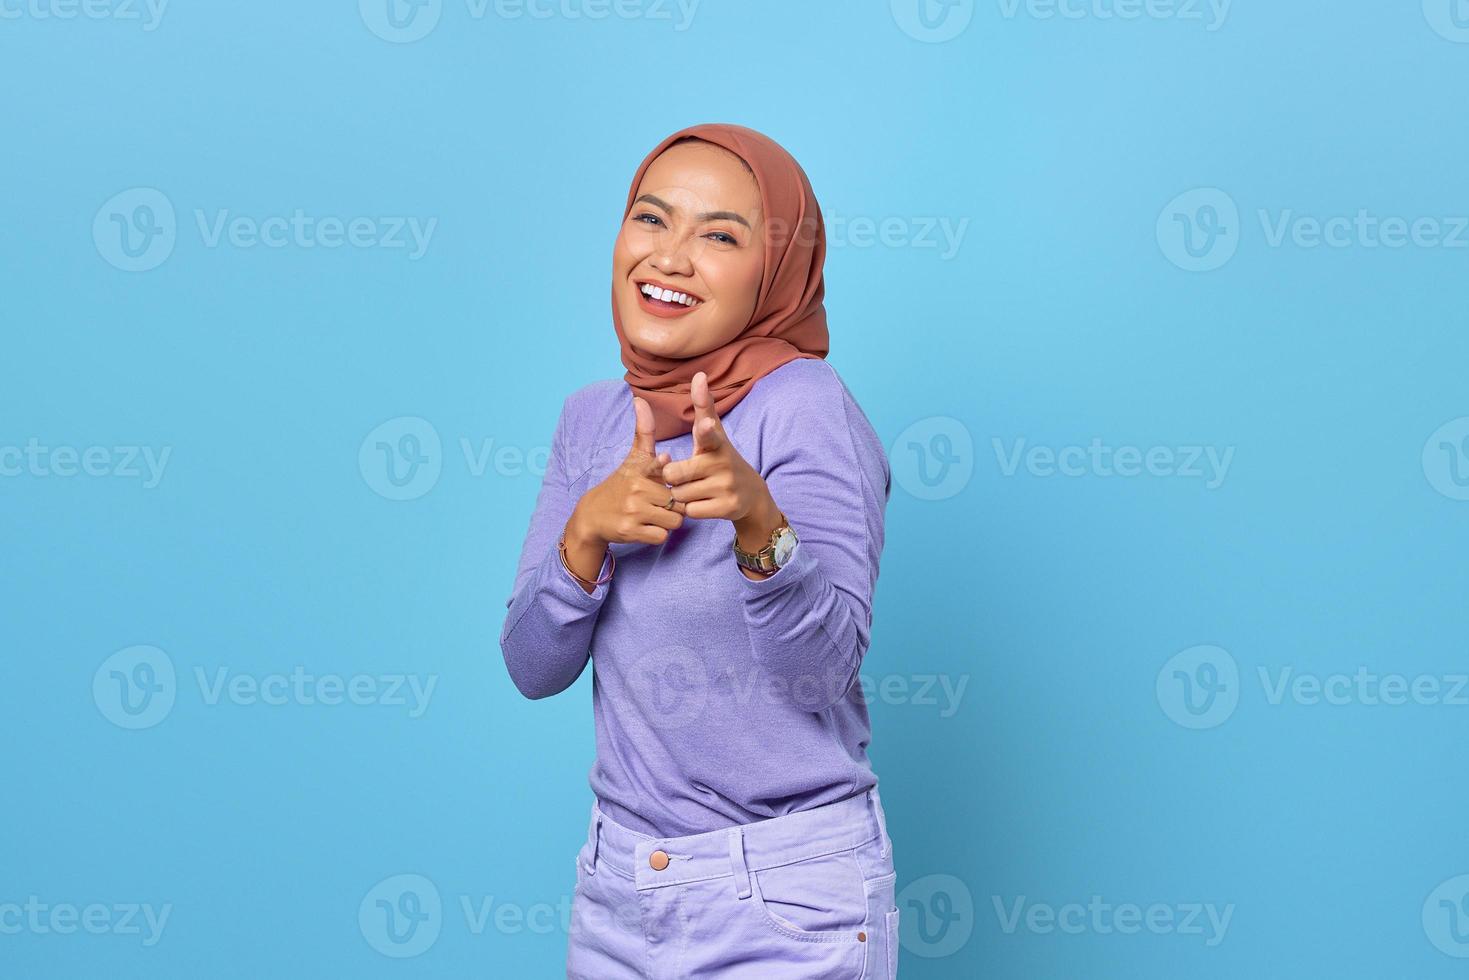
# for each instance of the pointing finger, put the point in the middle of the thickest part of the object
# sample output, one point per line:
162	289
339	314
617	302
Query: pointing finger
643	426
708	435
708	432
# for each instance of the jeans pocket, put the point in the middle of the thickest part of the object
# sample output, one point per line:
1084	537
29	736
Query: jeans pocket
818	899
581	869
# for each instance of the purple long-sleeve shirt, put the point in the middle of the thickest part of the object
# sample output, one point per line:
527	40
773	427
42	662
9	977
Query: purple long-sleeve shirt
717	699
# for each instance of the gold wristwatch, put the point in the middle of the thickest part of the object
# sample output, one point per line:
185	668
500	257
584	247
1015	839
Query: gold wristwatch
774	555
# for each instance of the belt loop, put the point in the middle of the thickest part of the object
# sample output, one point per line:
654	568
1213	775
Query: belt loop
737	862
596	840
882	823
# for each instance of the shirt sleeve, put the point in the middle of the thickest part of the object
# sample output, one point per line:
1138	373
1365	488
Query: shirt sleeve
810	622
550	618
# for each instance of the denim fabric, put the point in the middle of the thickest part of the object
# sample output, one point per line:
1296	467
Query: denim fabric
805	895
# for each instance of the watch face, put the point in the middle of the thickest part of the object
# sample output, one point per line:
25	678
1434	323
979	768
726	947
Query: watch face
785	544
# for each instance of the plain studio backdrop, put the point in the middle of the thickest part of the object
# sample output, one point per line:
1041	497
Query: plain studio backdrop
1158	308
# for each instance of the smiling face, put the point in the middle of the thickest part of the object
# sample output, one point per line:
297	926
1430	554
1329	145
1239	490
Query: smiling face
694	233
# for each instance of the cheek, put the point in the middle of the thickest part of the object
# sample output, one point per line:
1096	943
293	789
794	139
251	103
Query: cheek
629	249
737	283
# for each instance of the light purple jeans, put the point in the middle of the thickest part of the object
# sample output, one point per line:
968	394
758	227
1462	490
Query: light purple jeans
797	897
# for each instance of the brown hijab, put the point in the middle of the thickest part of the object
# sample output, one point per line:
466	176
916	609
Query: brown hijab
789	319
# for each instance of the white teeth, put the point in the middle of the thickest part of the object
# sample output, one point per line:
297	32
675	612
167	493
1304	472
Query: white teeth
668	295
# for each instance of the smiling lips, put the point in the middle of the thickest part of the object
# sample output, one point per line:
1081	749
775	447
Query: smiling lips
664	301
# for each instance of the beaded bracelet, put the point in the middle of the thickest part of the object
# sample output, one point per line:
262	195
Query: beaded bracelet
561	547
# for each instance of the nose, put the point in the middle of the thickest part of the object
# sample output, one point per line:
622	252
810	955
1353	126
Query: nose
675	252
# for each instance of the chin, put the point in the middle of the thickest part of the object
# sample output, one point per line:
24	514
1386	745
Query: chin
656	341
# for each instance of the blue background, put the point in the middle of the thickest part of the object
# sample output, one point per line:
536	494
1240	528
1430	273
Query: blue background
1336	540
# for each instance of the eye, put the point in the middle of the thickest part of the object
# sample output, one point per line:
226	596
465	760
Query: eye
723	237
640	216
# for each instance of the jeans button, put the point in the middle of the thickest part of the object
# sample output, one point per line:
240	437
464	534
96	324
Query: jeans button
658	860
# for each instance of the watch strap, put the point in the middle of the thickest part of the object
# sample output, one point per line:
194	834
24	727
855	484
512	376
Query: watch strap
764	559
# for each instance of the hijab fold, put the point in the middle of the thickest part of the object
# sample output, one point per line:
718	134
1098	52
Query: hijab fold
789	321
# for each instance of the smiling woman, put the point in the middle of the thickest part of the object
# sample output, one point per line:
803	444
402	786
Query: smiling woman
724	597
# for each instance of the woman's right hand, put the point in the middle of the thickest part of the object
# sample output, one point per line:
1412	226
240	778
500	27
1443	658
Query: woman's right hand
627	506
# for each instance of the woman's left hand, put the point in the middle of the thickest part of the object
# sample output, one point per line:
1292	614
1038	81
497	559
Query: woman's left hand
716	481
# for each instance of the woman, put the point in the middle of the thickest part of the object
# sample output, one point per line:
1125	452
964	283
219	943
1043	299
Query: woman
708	532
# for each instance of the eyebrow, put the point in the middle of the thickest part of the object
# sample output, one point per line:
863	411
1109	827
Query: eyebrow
706	216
